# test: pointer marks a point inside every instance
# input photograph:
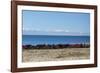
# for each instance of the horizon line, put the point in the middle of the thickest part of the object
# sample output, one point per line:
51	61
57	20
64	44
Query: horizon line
55	35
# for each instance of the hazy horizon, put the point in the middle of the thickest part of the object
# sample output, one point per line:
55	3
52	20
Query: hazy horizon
53	35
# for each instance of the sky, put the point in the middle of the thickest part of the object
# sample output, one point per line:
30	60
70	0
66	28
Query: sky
55	23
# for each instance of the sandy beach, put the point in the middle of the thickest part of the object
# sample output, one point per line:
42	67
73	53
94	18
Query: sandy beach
39	55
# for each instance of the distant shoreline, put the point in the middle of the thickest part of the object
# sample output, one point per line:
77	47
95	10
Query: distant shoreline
53	35
55	46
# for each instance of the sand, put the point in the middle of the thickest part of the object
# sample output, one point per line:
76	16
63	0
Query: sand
40	55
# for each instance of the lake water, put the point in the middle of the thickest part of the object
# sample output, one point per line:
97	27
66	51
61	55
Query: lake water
46	39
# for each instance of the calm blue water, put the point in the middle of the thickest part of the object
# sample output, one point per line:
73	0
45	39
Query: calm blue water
44	39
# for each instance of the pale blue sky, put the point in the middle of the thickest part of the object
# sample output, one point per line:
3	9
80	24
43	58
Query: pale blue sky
55	23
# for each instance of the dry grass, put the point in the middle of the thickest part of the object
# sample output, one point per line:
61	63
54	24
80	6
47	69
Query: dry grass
36	55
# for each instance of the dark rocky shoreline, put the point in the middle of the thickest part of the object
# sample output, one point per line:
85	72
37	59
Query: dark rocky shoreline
57	46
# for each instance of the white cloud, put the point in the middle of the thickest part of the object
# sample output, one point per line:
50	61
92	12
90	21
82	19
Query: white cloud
66	30
26	29
44	30
30	29
59	30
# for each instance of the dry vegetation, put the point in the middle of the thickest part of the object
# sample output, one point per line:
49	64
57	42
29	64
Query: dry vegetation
38	55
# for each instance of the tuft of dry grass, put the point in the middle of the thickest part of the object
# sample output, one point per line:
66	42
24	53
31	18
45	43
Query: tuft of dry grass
38	55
